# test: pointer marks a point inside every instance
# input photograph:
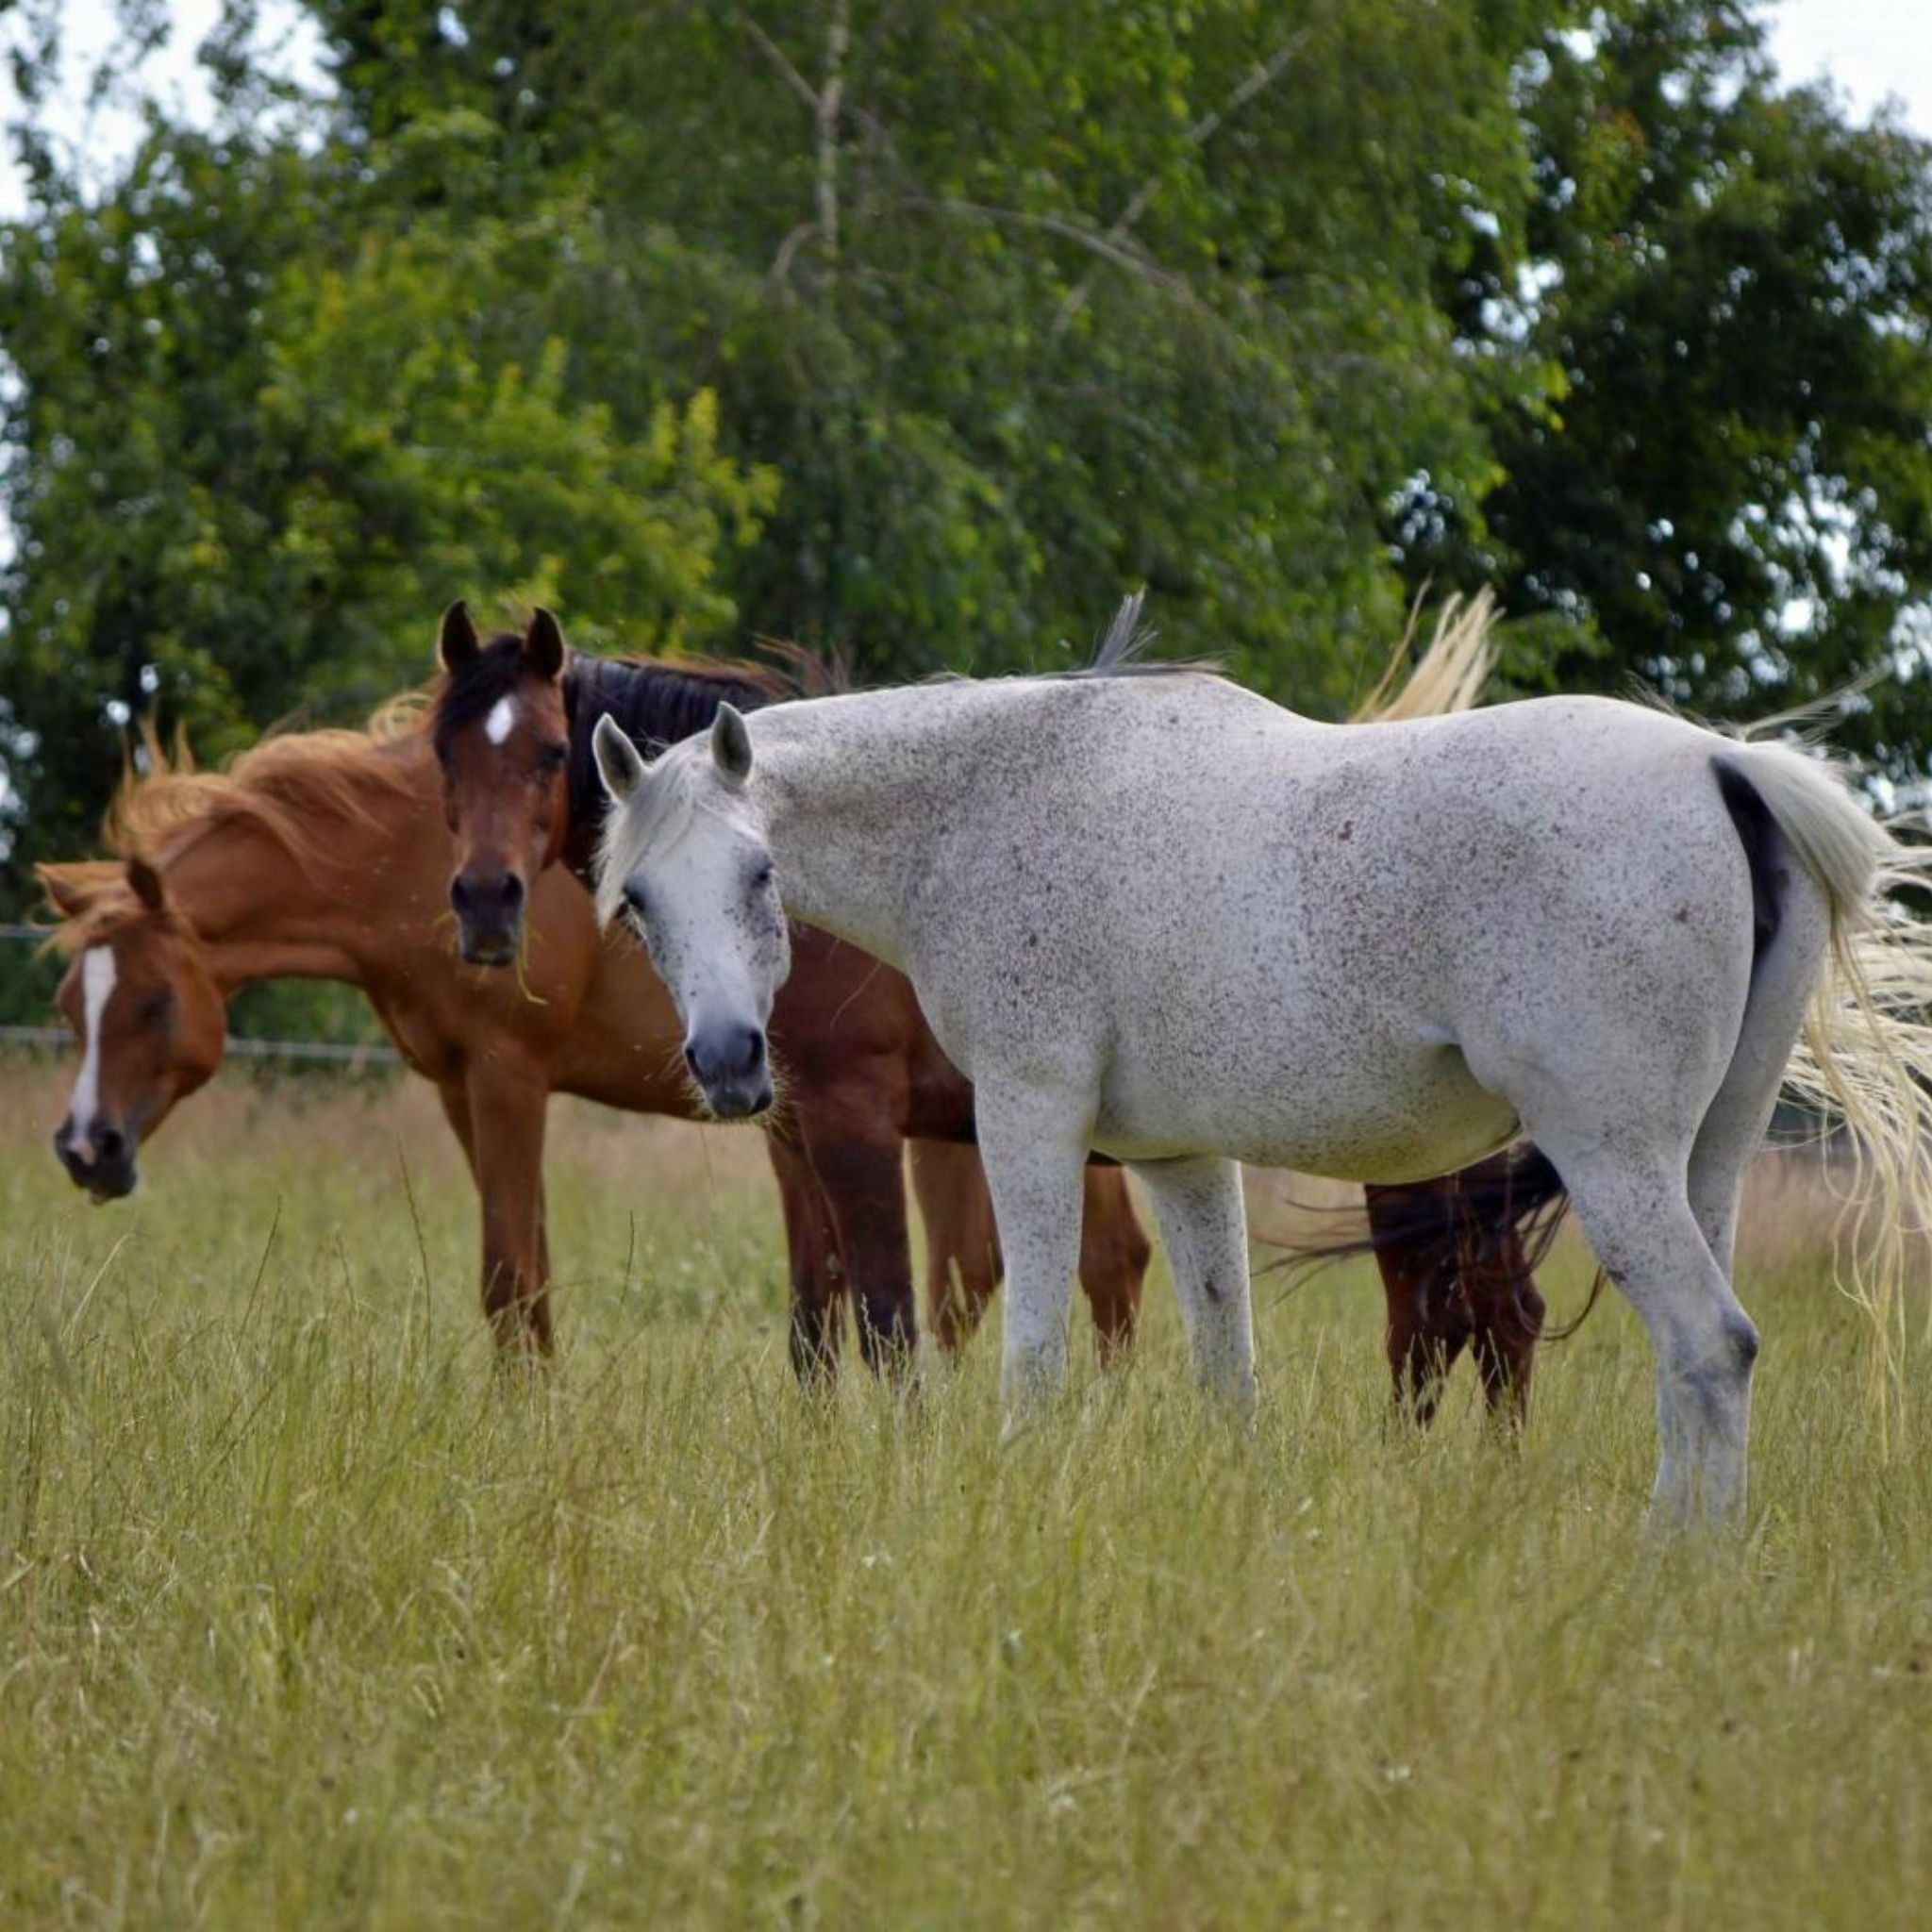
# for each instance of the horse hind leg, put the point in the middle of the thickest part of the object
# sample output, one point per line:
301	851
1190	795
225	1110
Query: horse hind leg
1203	1220
1712	1341
1638	1216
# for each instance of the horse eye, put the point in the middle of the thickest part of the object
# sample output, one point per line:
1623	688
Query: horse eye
762	877
634	901
551	757
155	1008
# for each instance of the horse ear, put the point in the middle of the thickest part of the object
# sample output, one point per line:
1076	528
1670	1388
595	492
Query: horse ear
543	644
731	744
66	894
456	639
146	884
619	763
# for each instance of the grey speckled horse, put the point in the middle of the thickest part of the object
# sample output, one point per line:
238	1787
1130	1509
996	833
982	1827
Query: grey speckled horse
1157	915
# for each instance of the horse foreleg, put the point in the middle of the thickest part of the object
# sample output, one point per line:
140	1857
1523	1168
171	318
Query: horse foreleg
507	1105
1034	1147
962	1244
1114	1254
812	1250
456	1110
859	1160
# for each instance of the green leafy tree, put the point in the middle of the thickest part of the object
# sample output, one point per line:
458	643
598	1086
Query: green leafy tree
926	331
265	424
1027	303
1731	497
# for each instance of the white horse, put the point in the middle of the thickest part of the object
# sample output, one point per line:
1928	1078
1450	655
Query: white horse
1158	916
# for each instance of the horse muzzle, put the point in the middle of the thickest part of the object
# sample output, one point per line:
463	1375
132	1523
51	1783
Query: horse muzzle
732	1070
101	1161
489	916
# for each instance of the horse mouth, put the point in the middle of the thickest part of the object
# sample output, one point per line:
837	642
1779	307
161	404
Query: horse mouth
489	949
739	1101
105	1184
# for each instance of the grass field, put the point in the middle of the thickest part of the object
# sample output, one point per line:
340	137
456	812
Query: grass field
307	1618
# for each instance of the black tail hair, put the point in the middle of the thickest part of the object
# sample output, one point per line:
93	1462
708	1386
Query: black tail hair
1462	1218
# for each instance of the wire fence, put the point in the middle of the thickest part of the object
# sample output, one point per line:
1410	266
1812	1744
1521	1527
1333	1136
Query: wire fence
355	1055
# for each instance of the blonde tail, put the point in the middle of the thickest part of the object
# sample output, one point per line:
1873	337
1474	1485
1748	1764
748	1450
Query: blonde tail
1865	1054
1451	674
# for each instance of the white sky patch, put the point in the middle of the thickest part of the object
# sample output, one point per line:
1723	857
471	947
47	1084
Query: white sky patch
501	721
96	988
101	128
1875	50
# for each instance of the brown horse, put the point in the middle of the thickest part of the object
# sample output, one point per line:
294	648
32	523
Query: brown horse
862	1070
512	731
321	855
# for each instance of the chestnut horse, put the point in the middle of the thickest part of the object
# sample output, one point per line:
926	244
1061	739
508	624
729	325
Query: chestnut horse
513	730
321	855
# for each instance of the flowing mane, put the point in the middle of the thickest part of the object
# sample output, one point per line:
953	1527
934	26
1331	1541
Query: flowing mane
297	790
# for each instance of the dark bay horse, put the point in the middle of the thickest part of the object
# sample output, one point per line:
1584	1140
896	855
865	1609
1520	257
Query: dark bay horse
321	856
862	1072
513	730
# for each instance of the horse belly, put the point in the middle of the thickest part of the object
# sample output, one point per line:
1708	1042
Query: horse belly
1355	1114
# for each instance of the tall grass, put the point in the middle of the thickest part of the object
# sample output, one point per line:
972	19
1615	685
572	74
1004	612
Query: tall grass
307	1616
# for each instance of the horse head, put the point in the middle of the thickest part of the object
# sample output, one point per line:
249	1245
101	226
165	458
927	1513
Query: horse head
150	1019
686	859
501	738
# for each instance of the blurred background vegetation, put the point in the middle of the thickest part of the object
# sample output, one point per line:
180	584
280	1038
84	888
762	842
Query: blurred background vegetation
923	331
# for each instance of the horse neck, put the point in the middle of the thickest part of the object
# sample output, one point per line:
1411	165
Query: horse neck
854	792
261	915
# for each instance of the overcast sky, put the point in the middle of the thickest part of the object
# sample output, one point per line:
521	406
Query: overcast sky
1874	50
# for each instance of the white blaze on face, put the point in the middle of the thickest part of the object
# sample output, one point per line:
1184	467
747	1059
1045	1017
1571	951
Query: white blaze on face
96	986
502	714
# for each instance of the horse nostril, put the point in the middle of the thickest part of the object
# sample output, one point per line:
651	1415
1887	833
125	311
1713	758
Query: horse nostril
735	1052
109	1146
498	896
